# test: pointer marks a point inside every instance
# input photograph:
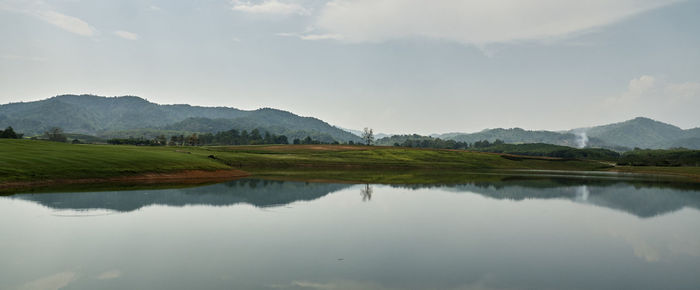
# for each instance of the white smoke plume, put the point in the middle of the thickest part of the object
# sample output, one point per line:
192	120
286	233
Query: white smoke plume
581	139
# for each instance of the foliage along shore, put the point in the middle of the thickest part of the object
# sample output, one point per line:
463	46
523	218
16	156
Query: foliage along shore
29	161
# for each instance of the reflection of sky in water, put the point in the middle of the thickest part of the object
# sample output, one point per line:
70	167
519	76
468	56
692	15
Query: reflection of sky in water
299	236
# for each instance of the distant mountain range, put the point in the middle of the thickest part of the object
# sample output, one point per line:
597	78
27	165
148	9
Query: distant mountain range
133	116
639	132
129	116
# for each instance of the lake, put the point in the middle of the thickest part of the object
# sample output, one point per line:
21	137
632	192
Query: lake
514	233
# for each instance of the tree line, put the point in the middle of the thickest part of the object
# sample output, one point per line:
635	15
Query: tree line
437	143
230	137
660	157
10	133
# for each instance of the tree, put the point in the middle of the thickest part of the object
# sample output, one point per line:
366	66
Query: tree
255	137
281	140
368	136
9	133
161	140
56	135
192	140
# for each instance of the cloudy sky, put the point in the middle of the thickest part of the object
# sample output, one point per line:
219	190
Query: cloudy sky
397	66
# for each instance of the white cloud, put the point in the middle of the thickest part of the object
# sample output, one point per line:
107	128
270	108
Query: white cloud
321	36
113	274
310	36
41	10
127	35
66	22
270	7
51	282
641	86
649	88
653	96
476	22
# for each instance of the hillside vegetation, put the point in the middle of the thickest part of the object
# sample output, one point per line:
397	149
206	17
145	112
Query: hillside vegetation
645	133
121	117
675	157
130	116
549	150
639	132
518	135
498	146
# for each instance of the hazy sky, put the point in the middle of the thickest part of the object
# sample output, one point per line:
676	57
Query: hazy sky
399	66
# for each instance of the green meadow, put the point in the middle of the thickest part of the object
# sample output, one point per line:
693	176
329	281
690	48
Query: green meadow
30	160
256	158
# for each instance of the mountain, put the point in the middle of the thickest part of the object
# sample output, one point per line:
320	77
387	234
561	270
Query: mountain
639	132
128	115
110	117
644	133
518	135
271	120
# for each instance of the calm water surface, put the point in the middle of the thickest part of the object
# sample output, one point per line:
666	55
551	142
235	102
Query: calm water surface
255	234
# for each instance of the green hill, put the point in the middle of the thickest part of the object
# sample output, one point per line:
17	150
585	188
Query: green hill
643	133
133	116
271	120
520	136
639	132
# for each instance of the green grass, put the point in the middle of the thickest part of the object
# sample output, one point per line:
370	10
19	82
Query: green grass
30	160
361	157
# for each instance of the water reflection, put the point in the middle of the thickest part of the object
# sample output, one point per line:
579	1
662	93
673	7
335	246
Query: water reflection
257	192
640	199
366	192
499	234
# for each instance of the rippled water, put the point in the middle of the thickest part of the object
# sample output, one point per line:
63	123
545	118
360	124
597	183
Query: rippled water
257	234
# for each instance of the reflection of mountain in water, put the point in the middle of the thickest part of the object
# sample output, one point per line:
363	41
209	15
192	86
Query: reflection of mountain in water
642	199
260	193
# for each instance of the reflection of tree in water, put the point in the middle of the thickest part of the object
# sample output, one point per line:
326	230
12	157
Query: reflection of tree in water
366	193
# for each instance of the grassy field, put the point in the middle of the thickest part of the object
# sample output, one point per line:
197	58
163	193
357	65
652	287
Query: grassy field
349	157
27	160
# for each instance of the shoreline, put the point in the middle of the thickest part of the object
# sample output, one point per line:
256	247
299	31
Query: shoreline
40	164
185	177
